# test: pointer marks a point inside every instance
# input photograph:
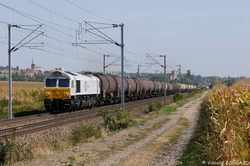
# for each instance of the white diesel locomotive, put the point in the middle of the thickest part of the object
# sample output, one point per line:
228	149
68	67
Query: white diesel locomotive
68	91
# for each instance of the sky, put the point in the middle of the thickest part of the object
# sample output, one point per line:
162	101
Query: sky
209	38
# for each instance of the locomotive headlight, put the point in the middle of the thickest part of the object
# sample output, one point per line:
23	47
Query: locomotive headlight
47	95
65	95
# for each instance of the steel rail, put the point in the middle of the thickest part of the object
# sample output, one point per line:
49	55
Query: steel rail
66	119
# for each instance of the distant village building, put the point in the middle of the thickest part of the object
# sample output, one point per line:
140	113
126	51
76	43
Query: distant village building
36	69
172	75
29	71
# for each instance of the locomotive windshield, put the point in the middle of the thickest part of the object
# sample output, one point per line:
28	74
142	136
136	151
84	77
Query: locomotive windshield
53	83
50	83
63	83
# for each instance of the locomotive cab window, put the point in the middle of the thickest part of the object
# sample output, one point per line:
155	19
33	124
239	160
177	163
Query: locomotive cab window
50	83
63	83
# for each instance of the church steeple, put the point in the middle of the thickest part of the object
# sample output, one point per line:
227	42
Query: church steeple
33	64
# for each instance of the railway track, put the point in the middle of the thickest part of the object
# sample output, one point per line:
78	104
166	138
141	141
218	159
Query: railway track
34	123
6	123
42	125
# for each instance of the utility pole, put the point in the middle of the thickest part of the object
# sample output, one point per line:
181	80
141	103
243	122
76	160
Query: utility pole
189	79
10	75
104	66
122	67
138	70
165	89
164	66
179	76
10	71
108	40
15	48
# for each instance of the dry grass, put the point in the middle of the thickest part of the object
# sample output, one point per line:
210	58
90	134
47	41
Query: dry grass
230	107
148	153
63	137
20	84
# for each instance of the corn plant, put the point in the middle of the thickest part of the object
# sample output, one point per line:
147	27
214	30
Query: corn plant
230	107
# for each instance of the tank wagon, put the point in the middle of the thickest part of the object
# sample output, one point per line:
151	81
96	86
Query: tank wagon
67	91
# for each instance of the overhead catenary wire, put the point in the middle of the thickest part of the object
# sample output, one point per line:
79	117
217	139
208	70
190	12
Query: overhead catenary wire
14	48
88	11
109	24
103	35
58	31
45	23
59	40
66	17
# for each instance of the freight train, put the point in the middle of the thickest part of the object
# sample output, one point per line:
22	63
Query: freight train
67	91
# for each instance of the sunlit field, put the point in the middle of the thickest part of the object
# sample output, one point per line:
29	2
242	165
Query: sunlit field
26	96
22	91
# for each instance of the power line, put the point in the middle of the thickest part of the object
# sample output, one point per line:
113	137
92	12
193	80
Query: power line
52	11
52	29
99	22
68	18
89	22
138	40
89	11
45	23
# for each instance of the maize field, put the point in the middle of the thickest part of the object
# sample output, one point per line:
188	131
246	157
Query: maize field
230	112
27	98
23	92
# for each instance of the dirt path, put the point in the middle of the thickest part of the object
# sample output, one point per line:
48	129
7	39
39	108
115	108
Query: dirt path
155	149
159	141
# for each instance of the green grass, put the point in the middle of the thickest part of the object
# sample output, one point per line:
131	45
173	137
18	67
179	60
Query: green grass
20	109
82	132
194	153
117	120
11	151
169	109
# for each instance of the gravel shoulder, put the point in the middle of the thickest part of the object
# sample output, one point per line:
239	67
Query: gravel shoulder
159	141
